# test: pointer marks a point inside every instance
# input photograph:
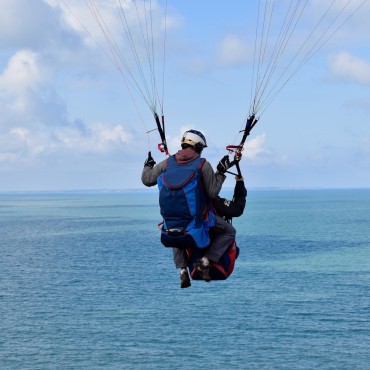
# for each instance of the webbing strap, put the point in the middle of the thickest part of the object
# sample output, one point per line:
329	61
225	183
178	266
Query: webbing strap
163	145
237	149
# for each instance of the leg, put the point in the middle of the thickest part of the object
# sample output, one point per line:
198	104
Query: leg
180	259
224	235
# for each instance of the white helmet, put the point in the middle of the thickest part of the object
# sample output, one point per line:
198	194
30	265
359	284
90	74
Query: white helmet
194	138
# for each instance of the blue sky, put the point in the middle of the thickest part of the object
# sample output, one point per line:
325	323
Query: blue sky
67	120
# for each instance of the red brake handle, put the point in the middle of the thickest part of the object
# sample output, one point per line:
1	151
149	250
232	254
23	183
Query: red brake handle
162	148
237	149
234	148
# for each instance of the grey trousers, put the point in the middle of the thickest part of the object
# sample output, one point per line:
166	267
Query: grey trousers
224	235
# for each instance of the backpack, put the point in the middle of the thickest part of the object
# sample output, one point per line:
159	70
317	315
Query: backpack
182	202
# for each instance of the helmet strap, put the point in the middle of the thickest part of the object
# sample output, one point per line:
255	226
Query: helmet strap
198	148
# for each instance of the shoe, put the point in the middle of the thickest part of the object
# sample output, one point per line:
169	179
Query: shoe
185	280
203	270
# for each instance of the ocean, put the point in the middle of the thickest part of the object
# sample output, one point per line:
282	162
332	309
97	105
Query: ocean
86	284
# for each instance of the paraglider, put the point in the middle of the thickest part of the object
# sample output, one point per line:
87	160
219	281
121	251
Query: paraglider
277	59
187	183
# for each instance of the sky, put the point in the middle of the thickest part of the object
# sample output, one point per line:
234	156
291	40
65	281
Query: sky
70	119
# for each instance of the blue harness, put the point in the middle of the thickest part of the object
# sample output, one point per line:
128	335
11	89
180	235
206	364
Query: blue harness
182	202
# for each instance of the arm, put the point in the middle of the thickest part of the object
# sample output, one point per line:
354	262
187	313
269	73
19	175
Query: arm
235	208
149	175
239	198
212	181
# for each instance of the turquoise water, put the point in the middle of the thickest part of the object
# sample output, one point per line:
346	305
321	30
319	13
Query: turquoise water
85	284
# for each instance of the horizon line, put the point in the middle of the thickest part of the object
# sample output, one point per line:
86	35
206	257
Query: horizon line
154	190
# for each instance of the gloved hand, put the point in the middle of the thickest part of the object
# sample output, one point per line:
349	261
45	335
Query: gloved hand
150	162
224	164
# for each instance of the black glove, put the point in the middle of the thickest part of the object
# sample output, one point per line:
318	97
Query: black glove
224	164
150	162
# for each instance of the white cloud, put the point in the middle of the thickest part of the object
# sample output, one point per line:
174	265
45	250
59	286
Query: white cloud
34	118
36	127
21	144
348	67
26	25
233	51
123	23
99	138
23	73
255	147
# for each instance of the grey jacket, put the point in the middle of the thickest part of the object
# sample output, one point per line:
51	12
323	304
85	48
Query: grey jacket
212	182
